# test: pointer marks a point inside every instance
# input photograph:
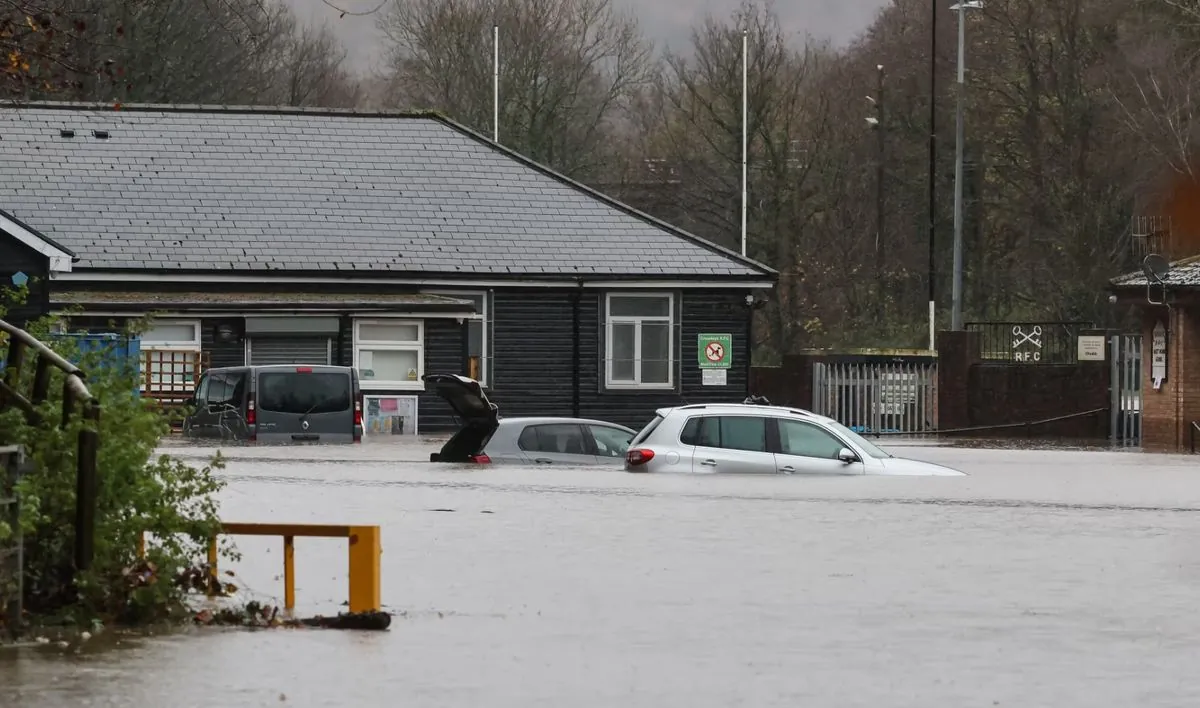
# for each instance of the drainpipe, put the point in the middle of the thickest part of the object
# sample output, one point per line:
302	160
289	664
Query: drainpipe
576	354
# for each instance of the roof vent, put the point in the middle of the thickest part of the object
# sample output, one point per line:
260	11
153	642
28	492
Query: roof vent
66	133
100	134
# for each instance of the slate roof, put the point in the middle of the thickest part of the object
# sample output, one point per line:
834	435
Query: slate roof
1184	273
195	188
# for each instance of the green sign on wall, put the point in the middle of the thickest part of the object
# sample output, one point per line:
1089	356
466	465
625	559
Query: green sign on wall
715	351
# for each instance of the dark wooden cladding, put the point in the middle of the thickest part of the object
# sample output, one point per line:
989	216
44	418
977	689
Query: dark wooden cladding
443	355
533	350
16	257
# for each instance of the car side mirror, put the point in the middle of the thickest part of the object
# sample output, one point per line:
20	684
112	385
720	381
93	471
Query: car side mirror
847	456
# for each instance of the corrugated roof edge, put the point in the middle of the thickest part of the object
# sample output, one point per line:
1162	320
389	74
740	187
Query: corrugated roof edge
424	114
49	241
1137	278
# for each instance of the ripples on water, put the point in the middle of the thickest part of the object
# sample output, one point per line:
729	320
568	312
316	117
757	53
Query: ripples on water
1046	578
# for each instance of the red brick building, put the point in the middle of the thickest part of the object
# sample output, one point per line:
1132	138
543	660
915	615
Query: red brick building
1170	313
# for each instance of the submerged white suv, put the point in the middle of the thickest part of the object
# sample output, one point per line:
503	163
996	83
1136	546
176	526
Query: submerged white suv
761	439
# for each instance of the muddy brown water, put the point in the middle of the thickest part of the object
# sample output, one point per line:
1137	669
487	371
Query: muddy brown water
1045	578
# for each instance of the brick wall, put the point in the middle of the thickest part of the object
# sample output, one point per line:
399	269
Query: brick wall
1168	412
974	394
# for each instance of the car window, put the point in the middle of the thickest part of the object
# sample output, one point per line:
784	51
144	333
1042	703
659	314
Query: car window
645	432
807	440
732	432
610	442
561	438
300	393
690	435
872	449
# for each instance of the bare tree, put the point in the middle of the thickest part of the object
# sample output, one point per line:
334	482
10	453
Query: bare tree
568	68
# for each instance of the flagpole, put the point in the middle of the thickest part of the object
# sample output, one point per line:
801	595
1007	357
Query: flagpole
496	82
745	132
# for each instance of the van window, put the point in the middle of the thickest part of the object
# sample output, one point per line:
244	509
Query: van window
226	390
298	393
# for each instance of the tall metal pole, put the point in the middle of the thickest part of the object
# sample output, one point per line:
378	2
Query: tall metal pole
879	175
745	130
956	311
496	82
932	165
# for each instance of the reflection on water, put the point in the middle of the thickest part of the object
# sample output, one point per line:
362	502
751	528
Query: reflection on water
1046	578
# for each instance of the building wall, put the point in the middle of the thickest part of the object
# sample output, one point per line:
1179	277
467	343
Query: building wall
534	354
16	257
1167	413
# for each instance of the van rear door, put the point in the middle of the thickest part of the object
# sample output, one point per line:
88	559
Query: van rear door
305	404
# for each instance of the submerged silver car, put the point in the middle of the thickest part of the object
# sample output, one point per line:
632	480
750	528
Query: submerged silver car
485	437
761	439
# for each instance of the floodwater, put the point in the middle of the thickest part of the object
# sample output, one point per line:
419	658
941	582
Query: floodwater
1045	578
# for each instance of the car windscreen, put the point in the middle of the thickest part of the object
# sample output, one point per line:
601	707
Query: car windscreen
867	446
303	393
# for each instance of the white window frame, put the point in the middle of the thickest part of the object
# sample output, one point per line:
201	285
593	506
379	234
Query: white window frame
418	346
485	366
191	346
610	320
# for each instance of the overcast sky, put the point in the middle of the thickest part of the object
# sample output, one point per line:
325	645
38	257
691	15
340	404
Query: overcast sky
664	21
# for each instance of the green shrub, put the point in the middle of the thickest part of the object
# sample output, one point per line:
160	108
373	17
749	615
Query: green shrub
136	492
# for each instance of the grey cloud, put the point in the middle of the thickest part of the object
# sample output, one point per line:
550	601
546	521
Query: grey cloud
665	21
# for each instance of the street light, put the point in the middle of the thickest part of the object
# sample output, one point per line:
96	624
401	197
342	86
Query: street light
956	307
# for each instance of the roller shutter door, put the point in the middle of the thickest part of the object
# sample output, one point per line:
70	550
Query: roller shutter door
290	350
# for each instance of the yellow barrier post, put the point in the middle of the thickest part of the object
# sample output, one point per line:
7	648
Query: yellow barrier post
365	552
289	573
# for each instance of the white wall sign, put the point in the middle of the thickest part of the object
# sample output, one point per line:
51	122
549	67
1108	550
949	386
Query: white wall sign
391	415
1027	345
1158	356
714	377
1091	347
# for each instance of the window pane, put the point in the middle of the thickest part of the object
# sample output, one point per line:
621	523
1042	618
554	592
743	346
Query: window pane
710	432
165	333
388	332
690	435
610	442
796	438
475	337
563	439
656	352
744	433
289	392
623	336
388	365
634	306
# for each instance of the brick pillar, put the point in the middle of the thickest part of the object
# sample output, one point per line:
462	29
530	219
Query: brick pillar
957	352
1166	413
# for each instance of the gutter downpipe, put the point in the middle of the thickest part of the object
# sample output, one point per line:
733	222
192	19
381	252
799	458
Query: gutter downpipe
576	364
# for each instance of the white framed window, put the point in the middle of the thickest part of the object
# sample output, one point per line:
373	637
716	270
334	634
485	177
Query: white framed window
639	340
170	358
390	353
479	353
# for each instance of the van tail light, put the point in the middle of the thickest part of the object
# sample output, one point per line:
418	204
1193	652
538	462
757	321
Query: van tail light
638	456
480	459
358	420
251	419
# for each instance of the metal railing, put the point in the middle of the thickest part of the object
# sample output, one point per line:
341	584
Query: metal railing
75	395
364	558
12	556
1029	342
874	396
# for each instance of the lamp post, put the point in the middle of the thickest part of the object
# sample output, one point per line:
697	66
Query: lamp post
932	163
956	307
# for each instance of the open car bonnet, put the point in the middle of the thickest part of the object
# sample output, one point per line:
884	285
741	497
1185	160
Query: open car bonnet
478	416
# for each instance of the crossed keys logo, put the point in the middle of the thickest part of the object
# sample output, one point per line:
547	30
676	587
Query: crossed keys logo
1034	336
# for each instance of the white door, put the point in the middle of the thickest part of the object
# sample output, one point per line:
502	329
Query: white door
734	444
805	448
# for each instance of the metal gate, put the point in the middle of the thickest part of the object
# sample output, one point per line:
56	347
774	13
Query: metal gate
1125	387
877	396
289	350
